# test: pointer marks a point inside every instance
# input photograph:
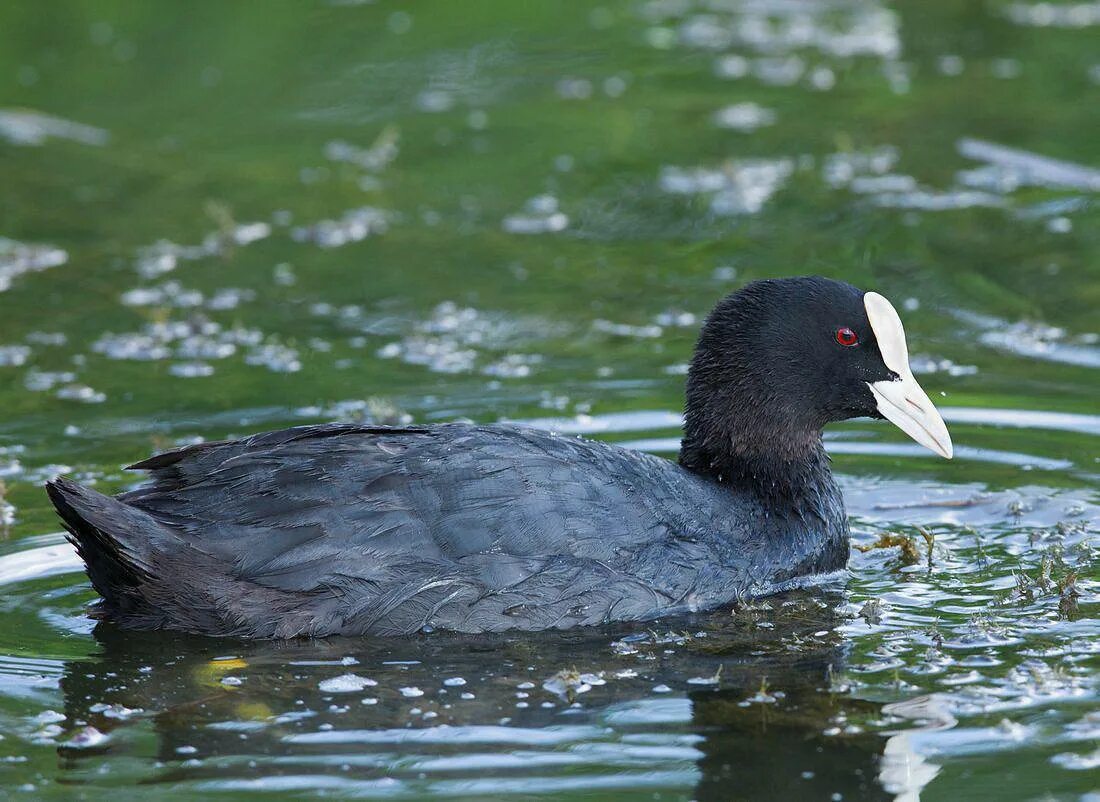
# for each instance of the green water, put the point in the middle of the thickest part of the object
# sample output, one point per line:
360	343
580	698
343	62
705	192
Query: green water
531	206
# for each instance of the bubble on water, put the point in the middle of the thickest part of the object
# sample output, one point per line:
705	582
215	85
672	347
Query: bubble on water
776	71
17	258
822	78
512	366
876	184
170	293
284	275
411	692
1053	15
346	683
574	88
164	256
950	64
14	355
540	215
140	347
435	101
82	393
923	364
737	188
615	86
274	356
440	356
677	317
1005	68
229	298
191	370
706	31
47	338
1086	729
1059	225
399	22
732	66
354	225
934	201
839	31
452	339
375	158
41	381
647	332
745	117
247	233
1075	762
840	169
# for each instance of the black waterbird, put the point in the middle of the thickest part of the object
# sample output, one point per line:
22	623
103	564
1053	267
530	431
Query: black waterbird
358	529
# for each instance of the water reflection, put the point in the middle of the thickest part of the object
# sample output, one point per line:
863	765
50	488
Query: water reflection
750	703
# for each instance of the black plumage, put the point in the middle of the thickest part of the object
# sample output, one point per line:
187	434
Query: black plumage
351	529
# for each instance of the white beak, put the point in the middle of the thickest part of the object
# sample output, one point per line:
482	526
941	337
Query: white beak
902	401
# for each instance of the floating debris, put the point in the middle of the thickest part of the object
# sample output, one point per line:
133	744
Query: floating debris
87	738
909	554
568	683
763	696
714	679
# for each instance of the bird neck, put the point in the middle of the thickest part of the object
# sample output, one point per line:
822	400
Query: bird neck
781	466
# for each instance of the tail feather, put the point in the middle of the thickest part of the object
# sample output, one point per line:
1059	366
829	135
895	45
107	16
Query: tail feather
116	541
151	578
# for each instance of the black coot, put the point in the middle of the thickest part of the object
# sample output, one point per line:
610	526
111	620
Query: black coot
348	529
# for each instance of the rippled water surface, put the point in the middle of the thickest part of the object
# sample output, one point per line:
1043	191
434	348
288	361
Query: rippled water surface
218	218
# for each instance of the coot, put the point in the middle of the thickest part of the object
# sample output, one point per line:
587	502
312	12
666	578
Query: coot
348	529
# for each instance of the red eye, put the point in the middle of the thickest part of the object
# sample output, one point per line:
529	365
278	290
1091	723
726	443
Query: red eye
845	336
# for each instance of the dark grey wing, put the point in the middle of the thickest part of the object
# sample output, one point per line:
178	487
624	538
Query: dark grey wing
464	527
